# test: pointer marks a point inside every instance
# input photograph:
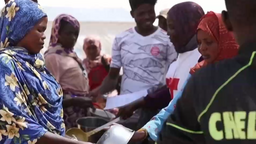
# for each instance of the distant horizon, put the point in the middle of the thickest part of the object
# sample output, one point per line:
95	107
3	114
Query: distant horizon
216	6
90	14
111	11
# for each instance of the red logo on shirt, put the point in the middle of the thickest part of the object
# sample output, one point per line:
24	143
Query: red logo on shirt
172	83
155	51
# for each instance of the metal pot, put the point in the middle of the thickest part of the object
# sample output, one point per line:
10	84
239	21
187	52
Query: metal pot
89	123
117	134
102	114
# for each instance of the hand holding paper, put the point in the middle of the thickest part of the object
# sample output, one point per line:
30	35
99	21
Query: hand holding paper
123	100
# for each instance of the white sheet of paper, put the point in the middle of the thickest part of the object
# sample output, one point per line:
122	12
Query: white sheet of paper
125	99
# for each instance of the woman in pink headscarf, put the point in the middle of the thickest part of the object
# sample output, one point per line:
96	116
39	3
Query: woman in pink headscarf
95	63
67	68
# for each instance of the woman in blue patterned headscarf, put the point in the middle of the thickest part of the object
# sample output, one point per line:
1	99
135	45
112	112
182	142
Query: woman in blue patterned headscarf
30	98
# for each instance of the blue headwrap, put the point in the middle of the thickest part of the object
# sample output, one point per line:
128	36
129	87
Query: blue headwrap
17	19
30	97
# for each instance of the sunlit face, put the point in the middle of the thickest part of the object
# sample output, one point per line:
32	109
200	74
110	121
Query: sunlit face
208	46
173	35
68	35
171	29
92	52
34	40
144	16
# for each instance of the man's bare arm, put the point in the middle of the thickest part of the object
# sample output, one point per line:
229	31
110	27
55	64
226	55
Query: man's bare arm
110	82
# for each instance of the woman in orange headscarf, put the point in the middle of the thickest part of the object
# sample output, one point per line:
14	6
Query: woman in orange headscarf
214	40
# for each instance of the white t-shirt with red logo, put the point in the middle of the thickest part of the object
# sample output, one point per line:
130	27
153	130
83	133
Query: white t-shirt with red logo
144	59
179	70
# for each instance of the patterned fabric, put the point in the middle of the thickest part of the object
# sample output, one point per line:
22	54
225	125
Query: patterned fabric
185	17
12	13
144	59
30	98
69	72
55	33
212	24
56	27
73	80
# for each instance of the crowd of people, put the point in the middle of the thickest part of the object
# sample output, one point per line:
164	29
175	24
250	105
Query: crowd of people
197	67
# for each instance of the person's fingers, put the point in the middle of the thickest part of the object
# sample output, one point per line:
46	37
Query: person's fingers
119	112
122	114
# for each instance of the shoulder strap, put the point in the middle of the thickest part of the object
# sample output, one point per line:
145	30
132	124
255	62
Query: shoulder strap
80	65
104	63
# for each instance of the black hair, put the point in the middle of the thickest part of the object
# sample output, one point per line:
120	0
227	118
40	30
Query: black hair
242	12
136	3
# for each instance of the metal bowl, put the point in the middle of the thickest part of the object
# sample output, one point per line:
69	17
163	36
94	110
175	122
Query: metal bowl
117	134
77	133
87	124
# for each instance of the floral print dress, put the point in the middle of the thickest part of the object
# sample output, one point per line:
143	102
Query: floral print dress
30	97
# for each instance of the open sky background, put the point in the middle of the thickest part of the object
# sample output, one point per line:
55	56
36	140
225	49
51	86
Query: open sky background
111	10
104	17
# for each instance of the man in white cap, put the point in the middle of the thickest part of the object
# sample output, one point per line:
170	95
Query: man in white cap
162	19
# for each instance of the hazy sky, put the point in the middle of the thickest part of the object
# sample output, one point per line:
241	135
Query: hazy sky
215	5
